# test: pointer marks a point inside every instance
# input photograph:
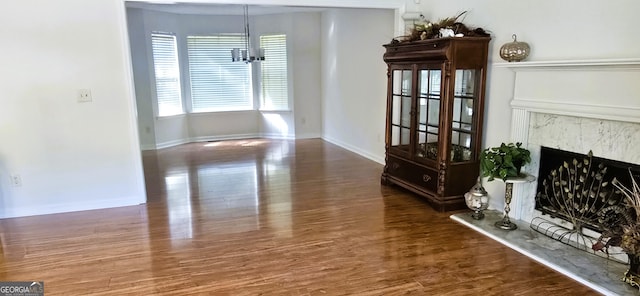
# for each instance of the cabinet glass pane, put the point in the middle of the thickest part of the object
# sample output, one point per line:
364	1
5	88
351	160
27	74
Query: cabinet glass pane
422	113
462	134
405	120
404	138
401	109
397	82
466	114
460	146
434	112
430	83
402	82
395	110
465	82
462	113
457	106
428	147
395	136
400	138
428	113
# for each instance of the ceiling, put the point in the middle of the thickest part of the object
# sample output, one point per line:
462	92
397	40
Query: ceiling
220	9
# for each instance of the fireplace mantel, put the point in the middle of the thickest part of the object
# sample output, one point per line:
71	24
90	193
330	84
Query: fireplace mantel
617	113
602	64
602	89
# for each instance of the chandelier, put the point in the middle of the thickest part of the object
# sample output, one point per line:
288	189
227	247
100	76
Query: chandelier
247	54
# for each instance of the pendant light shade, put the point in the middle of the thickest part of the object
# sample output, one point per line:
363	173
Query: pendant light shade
248	54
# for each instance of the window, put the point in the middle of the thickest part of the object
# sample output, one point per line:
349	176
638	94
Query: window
167	74
274	88
217	83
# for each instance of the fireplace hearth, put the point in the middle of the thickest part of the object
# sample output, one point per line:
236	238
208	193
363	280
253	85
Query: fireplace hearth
596	272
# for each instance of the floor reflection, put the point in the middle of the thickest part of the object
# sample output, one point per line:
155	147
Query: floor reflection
208	182
178	205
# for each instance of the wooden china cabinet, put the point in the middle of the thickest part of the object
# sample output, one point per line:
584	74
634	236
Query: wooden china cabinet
435	103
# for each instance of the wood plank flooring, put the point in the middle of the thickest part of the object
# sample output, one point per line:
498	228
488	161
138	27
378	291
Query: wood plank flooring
267	217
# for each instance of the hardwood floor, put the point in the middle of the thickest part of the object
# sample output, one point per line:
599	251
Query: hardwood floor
267	217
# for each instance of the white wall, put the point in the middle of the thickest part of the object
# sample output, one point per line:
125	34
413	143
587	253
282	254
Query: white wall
354	78
139	60
305	75
70	155
555	30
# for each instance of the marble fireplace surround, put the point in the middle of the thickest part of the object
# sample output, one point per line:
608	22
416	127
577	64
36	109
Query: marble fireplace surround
577	105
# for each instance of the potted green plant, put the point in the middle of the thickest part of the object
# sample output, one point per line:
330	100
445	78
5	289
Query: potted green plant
504	161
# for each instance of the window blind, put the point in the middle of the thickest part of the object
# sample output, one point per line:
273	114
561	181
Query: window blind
167	74
274	95
217	83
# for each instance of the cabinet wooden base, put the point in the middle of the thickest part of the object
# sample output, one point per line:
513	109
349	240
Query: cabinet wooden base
438	203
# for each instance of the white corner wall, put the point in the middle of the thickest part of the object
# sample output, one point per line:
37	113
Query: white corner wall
305	75
354	78
139	58
70	156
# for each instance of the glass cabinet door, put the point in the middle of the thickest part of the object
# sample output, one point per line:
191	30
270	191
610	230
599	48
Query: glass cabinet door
401	110
428	116
462	129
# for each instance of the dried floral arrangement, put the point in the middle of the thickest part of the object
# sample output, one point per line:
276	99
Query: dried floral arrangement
447	27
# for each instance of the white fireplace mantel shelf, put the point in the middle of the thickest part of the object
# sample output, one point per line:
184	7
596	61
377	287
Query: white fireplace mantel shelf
568	65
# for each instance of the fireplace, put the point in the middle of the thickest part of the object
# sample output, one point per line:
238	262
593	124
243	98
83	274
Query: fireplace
574	106
578	189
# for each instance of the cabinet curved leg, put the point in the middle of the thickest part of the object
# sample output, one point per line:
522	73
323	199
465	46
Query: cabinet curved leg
384	181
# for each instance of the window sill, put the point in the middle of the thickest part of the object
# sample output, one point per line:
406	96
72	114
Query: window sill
274	111
205	113
169	117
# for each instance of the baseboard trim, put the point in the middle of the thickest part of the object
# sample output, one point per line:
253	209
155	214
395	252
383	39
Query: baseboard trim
367	154
308	136
222	138
147	147
171	143
277	136
41	209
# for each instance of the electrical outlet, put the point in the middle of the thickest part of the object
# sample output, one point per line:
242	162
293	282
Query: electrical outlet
84	95
16	180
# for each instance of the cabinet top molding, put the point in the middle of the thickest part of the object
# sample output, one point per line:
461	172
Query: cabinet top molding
599	64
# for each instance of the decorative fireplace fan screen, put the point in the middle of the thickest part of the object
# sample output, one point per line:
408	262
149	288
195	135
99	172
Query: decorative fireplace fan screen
576	191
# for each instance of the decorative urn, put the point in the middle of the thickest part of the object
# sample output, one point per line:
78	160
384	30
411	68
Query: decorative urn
477	199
